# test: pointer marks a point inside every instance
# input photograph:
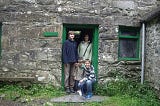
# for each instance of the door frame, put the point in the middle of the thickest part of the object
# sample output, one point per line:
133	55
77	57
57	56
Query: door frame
94	44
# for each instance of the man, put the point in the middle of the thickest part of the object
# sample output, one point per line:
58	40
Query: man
70	58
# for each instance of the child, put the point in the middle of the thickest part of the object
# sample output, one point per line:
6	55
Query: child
78	73
88	78
70	58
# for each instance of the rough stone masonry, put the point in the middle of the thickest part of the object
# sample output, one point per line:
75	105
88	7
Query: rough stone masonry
25	52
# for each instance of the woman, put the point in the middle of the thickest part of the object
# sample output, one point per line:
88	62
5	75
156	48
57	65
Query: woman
84	52
85	49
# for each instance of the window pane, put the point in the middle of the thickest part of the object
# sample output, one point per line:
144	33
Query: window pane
128	48
128	33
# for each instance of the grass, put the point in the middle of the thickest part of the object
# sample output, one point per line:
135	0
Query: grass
128	93
35	91
127	100
119	93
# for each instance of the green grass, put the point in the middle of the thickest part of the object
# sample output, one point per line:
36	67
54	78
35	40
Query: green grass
119	93
35	91
125	100
128	93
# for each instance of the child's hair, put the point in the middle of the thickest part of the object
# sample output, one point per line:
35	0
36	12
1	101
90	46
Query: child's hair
88	60
70	32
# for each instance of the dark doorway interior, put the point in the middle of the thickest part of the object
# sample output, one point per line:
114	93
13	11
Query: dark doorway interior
79	35
92	31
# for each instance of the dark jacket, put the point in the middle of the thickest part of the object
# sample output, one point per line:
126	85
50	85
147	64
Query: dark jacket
69	51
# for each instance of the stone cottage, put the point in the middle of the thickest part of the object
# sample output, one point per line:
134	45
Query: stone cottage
151	22
32	33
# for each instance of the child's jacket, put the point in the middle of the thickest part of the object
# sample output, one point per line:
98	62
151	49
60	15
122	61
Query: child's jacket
88	73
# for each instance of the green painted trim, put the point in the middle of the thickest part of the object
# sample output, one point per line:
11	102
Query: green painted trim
126	28
95	50
0	40
63	39
50	34
134	37
94	42
138	47
129	59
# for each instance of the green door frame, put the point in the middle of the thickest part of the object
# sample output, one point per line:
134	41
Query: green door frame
0	39
94	44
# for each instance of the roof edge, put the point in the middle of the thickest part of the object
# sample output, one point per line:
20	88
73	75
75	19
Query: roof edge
150	15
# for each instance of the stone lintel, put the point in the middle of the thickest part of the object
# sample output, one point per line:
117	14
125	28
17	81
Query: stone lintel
109	37
81	20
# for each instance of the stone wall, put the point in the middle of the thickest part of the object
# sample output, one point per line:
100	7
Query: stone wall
153	52
27	53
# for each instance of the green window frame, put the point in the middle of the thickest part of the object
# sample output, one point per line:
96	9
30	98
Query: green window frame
129	40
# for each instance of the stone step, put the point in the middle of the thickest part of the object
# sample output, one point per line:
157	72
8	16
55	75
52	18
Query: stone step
75	98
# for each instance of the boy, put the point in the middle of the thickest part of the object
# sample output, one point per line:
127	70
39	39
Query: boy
70	58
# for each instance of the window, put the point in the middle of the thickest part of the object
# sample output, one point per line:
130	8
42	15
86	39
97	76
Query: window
128	43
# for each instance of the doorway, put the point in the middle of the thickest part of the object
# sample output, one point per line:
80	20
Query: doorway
80	30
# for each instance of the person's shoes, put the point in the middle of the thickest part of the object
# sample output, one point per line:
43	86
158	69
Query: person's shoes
79	92
88	97
68	91
72	90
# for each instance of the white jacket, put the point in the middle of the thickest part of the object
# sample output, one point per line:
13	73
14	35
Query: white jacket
82	48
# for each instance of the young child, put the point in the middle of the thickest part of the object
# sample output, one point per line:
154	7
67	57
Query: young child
88	78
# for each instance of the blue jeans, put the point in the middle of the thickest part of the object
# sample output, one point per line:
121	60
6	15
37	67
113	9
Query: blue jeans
86	87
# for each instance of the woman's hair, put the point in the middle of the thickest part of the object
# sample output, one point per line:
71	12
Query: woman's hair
86	35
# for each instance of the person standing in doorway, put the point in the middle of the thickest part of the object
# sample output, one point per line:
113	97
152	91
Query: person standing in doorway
85	49
84	52
70	58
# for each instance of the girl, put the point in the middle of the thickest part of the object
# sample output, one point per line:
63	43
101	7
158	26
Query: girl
87	81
